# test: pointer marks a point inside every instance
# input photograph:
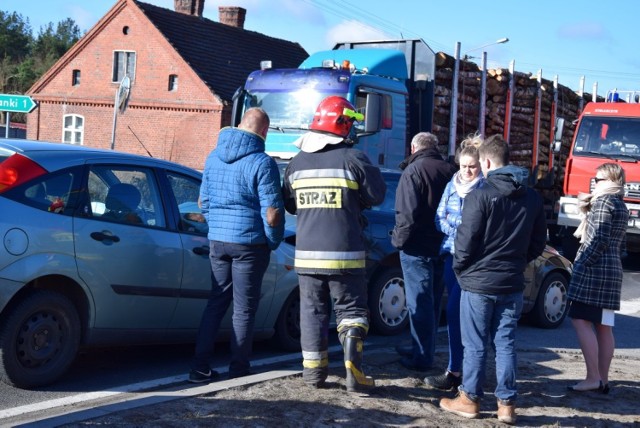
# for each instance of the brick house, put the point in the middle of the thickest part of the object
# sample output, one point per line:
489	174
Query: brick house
183	71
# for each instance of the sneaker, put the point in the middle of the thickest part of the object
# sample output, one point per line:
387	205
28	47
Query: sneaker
506	412
447	381
462	405
235	375
196	376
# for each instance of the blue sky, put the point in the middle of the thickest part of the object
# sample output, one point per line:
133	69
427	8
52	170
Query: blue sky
567	38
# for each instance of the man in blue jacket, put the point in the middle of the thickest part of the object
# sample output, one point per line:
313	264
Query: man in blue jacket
241	199
503	228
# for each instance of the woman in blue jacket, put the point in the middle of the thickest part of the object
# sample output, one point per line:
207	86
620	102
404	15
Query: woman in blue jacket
448	218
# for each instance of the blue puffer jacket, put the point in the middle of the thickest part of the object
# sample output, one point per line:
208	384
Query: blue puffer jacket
240	181
449	214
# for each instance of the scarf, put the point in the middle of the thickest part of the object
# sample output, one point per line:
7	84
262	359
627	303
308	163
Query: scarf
463	188
586	200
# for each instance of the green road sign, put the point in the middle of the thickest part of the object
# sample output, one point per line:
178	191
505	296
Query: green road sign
17	103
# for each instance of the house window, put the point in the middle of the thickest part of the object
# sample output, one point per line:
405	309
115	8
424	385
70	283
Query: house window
73	129
75	77
173	82
124	63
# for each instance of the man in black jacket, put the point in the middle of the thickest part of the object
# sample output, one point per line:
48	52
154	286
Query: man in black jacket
418	194
503	228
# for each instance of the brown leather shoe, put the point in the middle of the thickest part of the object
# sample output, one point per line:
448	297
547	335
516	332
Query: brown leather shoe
506	412
462	405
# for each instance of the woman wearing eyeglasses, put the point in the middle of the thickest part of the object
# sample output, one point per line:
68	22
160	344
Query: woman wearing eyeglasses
594	290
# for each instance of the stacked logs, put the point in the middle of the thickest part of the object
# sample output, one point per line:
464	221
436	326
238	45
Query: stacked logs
523	122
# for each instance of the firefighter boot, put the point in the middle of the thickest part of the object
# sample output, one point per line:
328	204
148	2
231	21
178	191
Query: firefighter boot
357	381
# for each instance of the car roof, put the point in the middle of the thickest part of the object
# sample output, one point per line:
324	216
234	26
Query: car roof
53	156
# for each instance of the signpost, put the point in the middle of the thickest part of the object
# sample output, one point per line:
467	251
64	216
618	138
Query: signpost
17	104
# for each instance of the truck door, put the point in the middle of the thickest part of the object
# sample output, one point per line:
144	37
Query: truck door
385	147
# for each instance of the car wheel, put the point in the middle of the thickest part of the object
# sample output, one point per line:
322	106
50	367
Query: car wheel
387	304
551	303
288	324
39	340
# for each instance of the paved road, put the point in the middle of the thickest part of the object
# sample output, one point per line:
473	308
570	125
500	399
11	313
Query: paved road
115	369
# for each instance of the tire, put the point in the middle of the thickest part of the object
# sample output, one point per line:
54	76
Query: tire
287	328
387	305
39	340
551	303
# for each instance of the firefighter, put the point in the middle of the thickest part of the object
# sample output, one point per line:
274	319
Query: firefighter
327	185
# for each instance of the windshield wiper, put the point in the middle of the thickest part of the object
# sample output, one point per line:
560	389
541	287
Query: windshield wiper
612	156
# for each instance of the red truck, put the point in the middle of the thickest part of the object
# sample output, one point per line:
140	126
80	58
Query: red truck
606	132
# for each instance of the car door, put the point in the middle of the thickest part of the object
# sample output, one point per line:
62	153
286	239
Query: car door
196	281
125	254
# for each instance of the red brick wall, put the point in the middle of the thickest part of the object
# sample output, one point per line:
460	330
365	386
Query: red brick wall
181	125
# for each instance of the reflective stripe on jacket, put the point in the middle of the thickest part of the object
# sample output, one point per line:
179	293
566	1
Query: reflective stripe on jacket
328	190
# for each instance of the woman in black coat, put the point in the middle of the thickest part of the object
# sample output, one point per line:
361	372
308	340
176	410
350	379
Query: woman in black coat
594	290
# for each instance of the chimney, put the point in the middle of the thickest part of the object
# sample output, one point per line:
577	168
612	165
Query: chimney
189	7
232	15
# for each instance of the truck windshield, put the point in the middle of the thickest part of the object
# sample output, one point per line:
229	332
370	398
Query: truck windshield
288	110
610	137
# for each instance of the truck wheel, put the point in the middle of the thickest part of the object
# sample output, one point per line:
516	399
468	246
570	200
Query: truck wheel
287	328
551	303
387	305
39	340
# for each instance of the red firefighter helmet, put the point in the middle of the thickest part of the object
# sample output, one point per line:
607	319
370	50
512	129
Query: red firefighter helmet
335	115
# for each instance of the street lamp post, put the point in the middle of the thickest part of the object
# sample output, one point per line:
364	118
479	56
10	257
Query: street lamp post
497	42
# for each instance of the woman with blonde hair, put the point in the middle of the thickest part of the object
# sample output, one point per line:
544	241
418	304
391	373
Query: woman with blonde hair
594	290
448	217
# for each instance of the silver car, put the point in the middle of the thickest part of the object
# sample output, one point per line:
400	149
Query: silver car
102	247
546	278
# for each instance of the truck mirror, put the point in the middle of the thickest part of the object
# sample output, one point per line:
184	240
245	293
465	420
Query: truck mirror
559	128
372	113
238	104
557	137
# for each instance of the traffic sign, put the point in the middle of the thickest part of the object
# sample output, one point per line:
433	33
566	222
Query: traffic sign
17	103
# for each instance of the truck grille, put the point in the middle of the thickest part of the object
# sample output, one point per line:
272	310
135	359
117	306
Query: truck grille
632	191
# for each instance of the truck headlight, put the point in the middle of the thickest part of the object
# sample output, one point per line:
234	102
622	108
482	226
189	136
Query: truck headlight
569	209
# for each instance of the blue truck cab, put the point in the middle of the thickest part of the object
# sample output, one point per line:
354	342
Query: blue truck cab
390	82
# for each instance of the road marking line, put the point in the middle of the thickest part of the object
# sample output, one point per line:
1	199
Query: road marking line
140	386
629	307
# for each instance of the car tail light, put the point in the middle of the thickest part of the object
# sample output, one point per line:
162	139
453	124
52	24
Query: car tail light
16	170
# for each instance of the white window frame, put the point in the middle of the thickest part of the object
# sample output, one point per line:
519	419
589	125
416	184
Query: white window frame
73	130
115	73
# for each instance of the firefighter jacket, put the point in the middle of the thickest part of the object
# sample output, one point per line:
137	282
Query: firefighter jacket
327	190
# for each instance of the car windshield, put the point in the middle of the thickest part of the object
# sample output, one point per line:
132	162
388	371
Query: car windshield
609	137
288	110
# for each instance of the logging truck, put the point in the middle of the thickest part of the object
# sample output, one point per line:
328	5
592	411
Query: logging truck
392	81
403	88
606	131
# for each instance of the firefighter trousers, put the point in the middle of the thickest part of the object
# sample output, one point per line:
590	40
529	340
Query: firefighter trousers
348	293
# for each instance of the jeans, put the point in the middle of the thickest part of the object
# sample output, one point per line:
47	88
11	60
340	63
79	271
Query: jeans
494	318
423	289
453	316
236	275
